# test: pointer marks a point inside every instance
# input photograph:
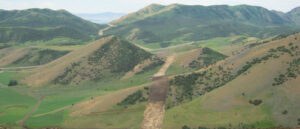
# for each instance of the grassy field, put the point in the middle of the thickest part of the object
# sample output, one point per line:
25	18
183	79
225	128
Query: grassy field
115	117
50	120
14	106
5	77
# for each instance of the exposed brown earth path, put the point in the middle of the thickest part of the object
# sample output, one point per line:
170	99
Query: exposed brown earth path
32	111
154	113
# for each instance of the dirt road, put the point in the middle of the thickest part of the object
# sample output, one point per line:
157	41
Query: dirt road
30	113
165	67
14	69
101	32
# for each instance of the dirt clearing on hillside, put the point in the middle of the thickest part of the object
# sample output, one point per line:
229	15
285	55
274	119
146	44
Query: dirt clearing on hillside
154	113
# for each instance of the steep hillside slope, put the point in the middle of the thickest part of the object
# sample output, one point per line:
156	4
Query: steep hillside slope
256	88
110	57
178	23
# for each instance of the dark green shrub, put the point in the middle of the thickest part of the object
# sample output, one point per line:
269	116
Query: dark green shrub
13	83
255	102
284	112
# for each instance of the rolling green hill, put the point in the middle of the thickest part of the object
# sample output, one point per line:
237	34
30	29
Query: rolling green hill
20	26
175	24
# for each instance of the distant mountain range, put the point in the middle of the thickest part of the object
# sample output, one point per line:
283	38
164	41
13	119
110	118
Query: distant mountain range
178	23
101	18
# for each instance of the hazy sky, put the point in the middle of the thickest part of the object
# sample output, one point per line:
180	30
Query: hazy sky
96	6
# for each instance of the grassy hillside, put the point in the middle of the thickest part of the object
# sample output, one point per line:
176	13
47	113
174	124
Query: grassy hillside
19	26
110	57
21	34
254	89
29	56
43	18
168	24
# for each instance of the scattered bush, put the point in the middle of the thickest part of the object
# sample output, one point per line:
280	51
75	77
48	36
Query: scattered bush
255	102
284	112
